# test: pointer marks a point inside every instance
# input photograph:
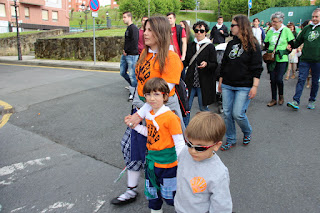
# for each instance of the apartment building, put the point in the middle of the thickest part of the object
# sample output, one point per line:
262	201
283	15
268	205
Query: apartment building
34	15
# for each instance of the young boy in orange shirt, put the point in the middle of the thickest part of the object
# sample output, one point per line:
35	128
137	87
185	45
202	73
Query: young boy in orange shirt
164	143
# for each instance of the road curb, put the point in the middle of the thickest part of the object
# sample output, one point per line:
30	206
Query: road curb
63	65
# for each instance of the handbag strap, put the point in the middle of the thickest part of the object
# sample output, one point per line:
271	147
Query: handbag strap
275	47
197	53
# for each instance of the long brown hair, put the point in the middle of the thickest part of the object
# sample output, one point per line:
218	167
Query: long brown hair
161	30
187	29
245	32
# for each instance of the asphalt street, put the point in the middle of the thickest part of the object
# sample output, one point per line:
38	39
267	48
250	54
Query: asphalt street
60	150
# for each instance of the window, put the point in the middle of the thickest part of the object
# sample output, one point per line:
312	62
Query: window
27	12
45	15
13	12
2	10
54	16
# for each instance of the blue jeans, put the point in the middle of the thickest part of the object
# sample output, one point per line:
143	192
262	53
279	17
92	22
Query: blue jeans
276	79
235	101
128	63
192	93
303	74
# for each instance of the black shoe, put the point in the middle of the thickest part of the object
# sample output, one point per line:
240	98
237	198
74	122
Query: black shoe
128	197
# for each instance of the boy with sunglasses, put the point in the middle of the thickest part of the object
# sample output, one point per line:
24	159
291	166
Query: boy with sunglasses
202	178
164	143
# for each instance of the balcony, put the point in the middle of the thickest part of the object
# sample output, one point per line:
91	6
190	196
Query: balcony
33	2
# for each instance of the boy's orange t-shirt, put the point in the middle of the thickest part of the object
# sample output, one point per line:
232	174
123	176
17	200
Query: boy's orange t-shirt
150	69
169	124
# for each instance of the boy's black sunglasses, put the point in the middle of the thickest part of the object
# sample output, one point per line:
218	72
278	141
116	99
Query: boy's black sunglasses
201	31
196	147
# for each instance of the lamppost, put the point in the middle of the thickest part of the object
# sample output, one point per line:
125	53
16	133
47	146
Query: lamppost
86	10
18	38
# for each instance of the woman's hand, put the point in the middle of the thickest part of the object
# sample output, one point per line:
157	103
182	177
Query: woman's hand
219	85
132	120
203	65
253	92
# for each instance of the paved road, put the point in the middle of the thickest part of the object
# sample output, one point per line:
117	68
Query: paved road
60	150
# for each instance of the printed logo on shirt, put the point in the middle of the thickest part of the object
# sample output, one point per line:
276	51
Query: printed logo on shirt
153	134
198	184
143	72
313	35
236	51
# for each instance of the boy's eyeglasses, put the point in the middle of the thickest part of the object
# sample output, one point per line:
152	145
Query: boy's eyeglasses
233	25
201	31
198	148
154	94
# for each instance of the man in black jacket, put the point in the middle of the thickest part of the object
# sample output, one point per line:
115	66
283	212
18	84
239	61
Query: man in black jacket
130	53
219	32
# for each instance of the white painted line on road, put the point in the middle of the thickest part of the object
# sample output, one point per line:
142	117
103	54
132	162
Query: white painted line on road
58	205
99	205
65	68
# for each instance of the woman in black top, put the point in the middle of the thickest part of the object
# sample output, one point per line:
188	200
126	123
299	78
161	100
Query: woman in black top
239	79
200	76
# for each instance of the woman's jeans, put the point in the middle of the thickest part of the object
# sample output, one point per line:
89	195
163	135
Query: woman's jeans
235	101
303	74
276	79
192	93
128	63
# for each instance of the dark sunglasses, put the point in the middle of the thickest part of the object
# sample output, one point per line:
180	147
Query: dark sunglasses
196	147
201	31
233	25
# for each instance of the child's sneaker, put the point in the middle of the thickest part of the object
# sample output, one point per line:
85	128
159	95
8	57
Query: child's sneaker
311	105
246	140
293	105
227	146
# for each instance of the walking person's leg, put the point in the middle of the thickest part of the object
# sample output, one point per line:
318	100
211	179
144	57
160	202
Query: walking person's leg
279	80
240	106
192	93
131	61
303	74
124	68
273	84
315	71
201	106
228	106
294	68
290	66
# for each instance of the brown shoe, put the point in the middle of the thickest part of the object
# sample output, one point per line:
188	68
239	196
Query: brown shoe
281	100
293	77
272	103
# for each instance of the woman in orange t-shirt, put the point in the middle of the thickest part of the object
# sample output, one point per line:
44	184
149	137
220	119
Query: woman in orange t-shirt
156	60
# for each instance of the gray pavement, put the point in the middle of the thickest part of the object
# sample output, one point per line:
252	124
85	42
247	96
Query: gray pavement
60	150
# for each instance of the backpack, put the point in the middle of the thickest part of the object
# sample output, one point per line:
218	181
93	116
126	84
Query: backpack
182	94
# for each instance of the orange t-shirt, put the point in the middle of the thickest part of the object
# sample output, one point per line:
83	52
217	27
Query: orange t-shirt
150	69
169	124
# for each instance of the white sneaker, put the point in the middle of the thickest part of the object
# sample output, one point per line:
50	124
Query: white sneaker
130	97
127	88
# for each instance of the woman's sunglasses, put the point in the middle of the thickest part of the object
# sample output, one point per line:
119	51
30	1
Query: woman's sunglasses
233	25
196	147
201	31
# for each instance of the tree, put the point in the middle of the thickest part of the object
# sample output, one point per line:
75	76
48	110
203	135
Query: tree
317	2
72	10
188	4
99	21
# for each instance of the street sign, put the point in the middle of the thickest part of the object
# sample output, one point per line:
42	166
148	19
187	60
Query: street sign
94	5
95	14
250	4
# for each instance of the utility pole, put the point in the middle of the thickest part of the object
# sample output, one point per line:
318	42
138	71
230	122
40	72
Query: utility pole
18	37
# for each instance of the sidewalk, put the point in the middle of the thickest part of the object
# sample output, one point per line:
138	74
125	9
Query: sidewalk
89	65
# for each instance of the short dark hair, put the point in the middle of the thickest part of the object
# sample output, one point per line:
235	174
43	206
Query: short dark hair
255	19
157	84
171	13
201	23
220	17
128	13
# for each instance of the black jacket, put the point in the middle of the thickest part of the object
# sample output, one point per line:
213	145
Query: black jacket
217	37
206	75
179	34
131	38
239	67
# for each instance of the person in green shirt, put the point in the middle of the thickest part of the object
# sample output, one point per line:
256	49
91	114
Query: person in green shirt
310	59
285	36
